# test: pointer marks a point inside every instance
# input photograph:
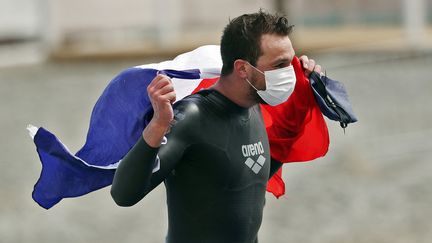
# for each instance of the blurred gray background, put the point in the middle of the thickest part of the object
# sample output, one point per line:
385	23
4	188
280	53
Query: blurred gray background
374	185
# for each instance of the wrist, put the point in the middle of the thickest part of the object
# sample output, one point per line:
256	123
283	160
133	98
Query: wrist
154	133
158	126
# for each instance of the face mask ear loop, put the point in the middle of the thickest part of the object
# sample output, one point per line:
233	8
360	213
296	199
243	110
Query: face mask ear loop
256	70
247	80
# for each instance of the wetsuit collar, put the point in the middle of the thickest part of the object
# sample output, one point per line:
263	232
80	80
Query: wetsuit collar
225	104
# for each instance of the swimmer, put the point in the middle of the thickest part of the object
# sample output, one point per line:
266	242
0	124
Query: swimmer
211	149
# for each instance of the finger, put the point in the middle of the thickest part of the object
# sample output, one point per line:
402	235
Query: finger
305	61
156	80
153	83
318	68
162	82
171	97
161	101
311	65
164	90
157	83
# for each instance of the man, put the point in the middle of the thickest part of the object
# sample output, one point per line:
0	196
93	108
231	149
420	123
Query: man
212	147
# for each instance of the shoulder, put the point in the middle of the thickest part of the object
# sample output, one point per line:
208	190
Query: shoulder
187	111
194	103
197	107
186	125
189	105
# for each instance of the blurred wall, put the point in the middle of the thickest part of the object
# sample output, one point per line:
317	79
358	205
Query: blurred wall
68	28
19	19
140	21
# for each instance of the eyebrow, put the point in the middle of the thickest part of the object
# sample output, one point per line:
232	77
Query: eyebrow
281	60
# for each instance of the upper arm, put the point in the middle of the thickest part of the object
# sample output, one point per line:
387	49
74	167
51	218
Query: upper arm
182	134
134	177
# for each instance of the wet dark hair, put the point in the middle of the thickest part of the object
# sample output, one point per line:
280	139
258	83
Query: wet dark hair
241	38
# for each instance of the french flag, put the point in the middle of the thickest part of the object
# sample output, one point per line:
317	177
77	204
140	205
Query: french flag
296	129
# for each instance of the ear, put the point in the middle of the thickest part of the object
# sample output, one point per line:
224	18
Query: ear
241	68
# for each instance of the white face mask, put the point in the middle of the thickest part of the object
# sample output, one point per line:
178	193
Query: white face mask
280	84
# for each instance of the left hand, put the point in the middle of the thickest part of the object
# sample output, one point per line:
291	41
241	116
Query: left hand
309	65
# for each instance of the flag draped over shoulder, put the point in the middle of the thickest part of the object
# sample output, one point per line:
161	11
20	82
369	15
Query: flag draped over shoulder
296	129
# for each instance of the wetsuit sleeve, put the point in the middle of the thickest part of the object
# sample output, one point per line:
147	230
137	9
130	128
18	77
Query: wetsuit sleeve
133	174
135	178
274	167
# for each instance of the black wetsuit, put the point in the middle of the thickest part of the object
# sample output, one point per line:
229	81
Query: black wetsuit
215	166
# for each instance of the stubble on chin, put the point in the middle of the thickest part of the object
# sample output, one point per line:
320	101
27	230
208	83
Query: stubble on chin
253	95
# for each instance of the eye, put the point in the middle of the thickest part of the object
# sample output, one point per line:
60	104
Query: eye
281	65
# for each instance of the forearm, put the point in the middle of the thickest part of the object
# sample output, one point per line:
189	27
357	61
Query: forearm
133	175
154	133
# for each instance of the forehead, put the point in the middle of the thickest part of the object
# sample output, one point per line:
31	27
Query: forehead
274	48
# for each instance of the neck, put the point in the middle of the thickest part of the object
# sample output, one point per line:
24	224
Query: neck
236	90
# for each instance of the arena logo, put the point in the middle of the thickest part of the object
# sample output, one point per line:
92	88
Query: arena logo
254	149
